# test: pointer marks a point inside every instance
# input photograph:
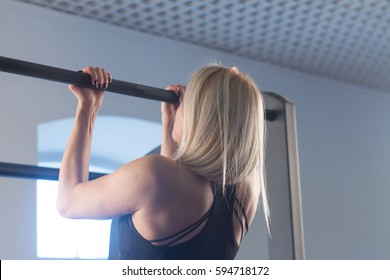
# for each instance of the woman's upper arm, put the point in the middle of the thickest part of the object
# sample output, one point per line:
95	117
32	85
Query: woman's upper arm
116	194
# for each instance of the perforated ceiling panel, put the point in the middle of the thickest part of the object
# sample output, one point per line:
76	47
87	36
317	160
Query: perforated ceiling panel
342	39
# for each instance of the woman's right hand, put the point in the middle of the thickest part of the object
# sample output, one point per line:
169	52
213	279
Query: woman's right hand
92	97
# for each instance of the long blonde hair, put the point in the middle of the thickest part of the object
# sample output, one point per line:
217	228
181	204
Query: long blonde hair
223	135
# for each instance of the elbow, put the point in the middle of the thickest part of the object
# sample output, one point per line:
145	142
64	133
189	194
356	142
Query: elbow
61	209
64	209
65	202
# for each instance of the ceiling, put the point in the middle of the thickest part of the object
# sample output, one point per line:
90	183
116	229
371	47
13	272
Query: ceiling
348	40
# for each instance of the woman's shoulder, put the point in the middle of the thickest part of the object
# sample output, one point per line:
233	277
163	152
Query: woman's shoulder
160	169
158	164
174	184
167	175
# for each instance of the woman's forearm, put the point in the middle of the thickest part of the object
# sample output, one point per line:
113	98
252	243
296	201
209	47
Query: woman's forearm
75	162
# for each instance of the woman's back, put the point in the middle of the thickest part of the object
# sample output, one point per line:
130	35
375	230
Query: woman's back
190	219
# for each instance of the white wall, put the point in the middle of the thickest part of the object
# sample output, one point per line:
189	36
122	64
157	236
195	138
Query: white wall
342	129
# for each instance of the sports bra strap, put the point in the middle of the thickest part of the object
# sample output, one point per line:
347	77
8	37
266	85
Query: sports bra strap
183	233
244	213
243	231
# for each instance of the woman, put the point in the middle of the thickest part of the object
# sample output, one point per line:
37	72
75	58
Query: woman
199	197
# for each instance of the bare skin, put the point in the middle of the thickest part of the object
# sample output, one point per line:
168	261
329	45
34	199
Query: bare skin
162	196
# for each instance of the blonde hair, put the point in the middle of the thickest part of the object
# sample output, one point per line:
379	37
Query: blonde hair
223	136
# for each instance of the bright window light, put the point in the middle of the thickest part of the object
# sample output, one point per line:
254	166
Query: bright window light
117	140
62	238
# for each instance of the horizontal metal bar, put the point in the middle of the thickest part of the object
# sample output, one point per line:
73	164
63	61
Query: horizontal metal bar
40	71
24	171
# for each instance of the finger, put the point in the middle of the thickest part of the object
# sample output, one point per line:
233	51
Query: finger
170	87
100	79
106	78
72	88
180	90
91	71
174	89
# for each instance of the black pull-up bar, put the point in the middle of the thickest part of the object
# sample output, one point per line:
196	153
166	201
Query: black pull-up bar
40	71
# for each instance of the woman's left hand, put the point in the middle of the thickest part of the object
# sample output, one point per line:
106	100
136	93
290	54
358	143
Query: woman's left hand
92	97
168	111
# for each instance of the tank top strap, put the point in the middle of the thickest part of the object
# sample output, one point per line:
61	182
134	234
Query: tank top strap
242	209
184	232
237	209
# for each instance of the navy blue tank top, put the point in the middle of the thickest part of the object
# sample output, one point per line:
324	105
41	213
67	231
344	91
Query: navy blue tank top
216	239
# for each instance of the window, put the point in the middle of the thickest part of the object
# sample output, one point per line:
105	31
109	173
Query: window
58	237
117	140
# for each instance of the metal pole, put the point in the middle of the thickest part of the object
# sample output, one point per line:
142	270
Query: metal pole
25	171
40	71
